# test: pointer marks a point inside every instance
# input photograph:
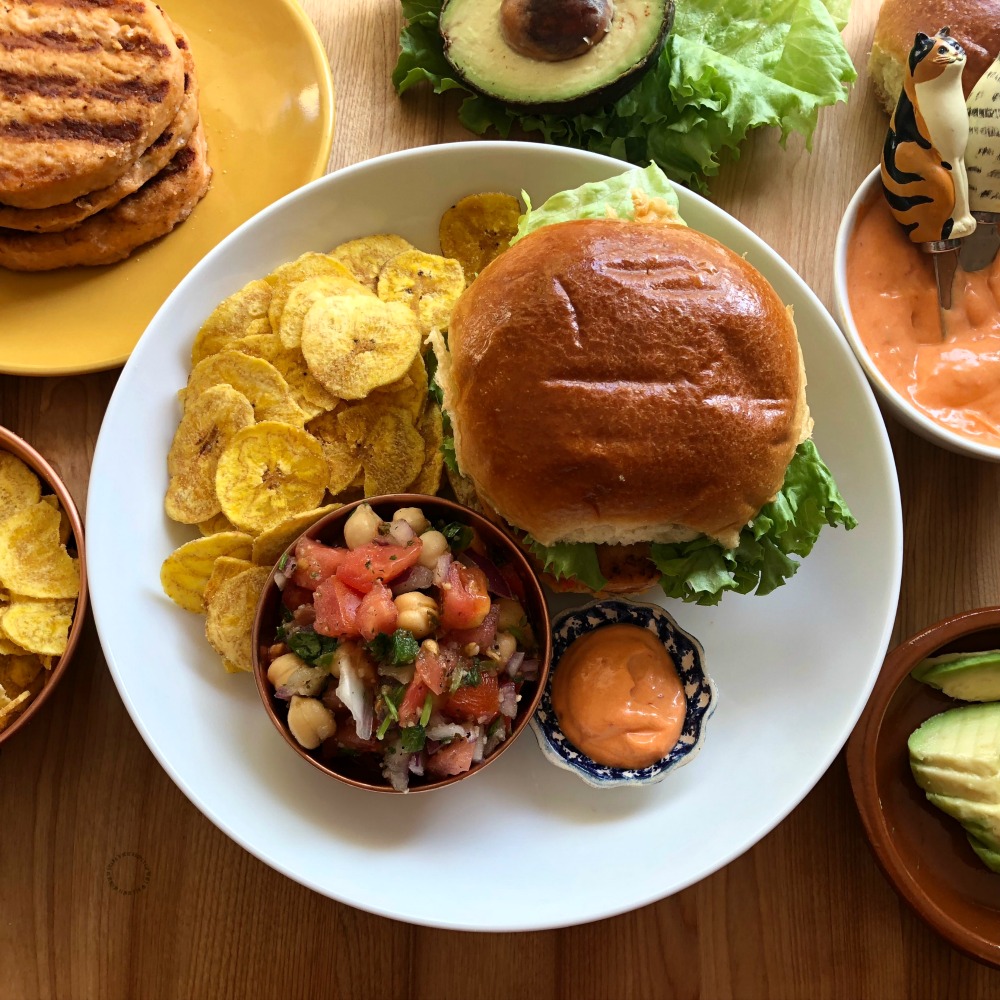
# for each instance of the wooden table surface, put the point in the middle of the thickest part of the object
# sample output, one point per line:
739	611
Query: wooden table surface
113	884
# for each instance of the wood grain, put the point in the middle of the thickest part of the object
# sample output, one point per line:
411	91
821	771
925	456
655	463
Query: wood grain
114	885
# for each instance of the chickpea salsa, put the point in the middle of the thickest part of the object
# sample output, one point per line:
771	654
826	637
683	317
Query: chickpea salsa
405	648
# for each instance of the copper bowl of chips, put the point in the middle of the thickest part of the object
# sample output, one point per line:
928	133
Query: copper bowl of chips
330	530
43	581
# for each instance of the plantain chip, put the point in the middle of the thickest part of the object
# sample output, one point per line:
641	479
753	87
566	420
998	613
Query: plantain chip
10	709
428	284
310	397
305	294
224	568
408	392
20	672
217	522
392	453
269	472
285	278
33	562
365	257
65	528
19	486
232	319
186	570
229	616
258	380
209	423
478	228
353	345
431	430
38	625
343	460
269	545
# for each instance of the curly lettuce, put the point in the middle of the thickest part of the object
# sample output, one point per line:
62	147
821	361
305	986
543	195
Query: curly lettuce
725	69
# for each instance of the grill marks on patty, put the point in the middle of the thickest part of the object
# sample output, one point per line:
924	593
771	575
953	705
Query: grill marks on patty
14	85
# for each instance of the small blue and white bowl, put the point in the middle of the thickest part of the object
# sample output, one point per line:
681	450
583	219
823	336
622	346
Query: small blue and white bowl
689	659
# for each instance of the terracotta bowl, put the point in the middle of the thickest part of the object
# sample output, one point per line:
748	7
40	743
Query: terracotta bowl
923	852
51	483
330	530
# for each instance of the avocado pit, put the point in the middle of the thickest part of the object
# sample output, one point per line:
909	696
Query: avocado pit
554	30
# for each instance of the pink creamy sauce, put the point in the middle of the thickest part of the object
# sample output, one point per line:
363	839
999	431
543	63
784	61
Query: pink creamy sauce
955	382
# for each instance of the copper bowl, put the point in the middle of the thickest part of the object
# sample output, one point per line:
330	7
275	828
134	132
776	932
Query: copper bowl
330	529
923	852
17	446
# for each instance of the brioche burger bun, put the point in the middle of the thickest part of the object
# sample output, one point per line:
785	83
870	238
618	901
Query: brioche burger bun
626	386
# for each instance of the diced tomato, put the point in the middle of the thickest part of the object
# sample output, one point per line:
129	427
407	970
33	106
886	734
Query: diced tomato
336	608
482	636
314	562
434	669
465	600
347	737
376	613
368	563
454	758
413	703
480	703
294	596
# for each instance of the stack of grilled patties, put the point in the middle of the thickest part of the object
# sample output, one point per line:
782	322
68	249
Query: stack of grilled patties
101	146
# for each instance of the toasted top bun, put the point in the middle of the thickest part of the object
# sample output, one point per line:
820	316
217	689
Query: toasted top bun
616	382
975	24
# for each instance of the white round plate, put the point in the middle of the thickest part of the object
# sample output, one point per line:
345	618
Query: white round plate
793	669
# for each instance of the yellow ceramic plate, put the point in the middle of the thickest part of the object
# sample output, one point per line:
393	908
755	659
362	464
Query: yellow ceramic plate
267	104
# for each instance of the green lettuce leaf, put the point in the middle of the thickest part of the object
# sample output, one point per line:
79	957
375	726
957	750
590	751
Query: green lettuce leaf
726	68
592	201
569	561
701	571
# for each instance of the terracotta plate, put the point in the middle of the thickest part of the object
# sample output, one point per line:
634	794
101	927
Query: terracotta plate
267	105
923	852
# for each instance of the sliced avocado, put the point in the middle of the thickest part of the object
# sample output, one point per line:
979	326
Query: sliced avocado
966	676
980	819
963	739
554	56
987	855
960	784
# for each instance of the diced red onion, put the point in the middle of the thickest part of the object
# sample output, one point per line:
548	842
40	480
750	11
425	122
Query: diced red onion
441	568
396	767
415	578
283	575
356	696
494	579
514	662
496	738
529	670
480	751
446	731
416	764
508	699
401	532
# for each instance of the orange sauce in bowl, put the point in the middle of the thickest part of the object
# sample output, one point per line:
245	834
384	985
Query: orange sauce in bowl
618	698
955	381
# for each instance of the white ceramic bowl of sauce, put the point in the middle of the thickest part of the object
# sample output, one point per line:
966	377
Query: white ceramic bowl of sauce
899	405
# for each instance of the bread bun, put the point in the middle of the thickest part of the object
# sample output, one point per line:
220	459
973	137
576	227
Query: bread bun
975	24
616	382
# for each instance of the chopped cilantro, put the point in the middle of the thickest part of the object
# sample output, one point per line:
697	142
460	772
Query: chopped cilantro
413	738
425	715
312	647
384	728
392	698
458	536
282	562
396	649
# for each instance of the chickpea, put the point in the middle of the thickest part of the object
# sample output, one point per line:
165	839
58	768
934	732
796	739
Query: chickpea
414	517
418	613
503	648
435	545
282	668
511	614
361	527
310	721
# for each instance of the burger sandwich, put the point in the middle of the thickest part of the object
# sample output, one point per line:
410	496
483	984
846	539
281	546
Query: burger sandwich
627	397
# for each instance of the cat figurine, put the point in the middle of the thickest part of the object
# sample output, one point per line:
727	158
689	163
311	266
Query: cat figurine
923	159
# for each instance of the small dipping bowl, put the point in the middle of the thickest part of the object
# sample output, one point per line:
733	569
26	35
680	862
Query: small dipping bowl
51	483
689	661
330	530
900	407
923	852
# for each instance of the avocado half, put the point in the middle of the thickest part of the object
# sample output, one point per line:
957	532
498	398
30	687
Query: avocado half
479	52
